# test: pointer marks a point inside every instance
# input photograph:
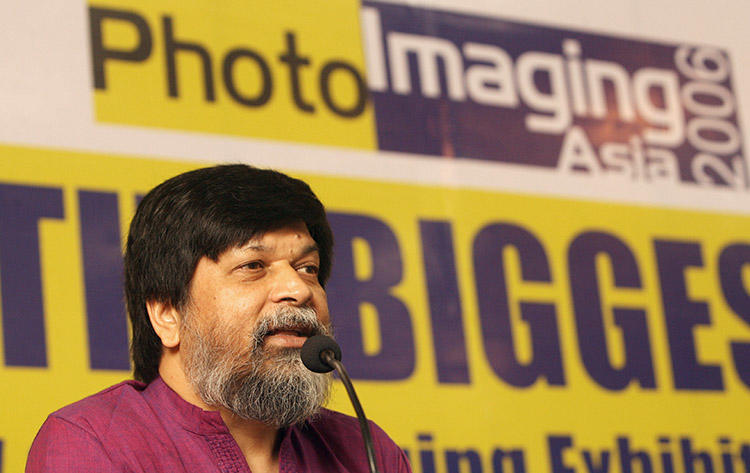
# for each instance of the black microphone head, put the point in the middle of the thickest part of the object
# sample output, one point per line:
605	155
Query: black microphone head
314	348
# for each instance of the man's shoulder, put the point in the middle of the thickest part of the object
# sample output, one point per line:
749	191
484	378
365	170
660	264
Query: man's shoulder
99	408
339	422
339	429
98	433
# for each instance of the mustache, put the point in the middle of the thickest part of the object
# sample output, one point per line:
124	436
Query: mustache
301	320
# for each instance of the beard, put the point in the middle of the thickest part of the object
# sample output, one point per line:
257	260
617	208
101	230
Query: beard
253	381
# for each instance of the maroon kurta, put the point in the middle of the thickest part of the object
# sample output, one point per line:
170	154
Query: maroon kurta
131	427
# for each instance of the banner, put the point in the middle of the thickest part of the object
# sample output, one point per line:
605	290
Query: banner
283	70
577	102
553	330
442	84
542	258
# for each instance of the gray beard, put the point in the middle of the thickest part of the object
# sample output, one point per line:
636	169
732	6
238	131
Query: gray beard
270	385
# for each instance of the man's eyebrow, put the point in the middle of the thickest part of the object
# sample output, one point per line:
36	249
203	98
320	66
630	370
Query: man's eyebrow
311	248
254	247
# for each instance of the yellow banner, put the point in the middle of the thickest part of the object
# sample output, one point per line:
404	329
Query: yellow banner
284	70
536	334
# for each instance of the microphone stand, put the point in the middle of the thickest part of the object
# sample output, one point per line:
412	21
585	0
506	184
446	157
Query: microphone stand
328	357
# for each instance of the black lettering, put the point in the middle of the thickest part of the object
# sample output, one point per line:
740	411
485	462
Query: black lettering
102	270
667	462
325	89
745	455
171	47
494	307
426	453
265	72
627	456
100	54
444	299
516	458
21	207
295	62
587	305
689	457
594	466
732	260
727	460
557	446
346	293
454	459
682	314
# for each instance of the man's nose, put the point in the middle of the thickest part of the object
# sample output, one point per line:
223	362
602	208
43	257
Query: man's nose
288	286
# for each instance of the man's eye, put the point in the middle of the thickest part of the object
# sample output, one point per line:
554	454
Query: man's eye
309	269
253	265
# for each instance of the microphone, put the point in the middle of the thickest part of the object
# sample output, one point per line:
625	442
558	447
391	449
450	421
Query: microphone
312	353
322	354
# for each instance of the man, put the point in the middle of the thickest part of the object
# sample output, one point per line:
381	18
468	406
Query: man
224	276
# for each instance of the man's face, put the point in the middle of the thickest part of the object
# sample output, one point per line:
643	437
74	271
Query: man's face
248	315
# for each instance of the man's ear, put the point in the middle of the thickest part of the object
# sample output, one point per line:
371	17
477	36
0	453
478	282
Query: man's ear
166	322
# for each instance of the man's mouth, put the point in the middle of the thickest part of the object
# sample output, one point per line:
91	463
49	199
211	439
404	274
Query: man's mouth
297	333
288	336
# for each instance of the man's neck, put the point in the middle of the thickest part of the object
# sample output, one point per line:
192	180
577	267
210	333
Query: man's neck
258	442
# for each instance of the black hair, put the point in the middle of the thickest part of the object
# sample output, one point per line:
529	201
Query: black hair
204	213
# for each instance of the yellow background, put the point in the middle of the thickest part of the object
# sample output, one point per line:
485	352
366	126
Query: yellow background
136	92
482	415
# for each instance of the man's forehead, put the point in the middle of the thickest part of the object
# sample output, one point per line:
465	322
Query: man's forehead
294	236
